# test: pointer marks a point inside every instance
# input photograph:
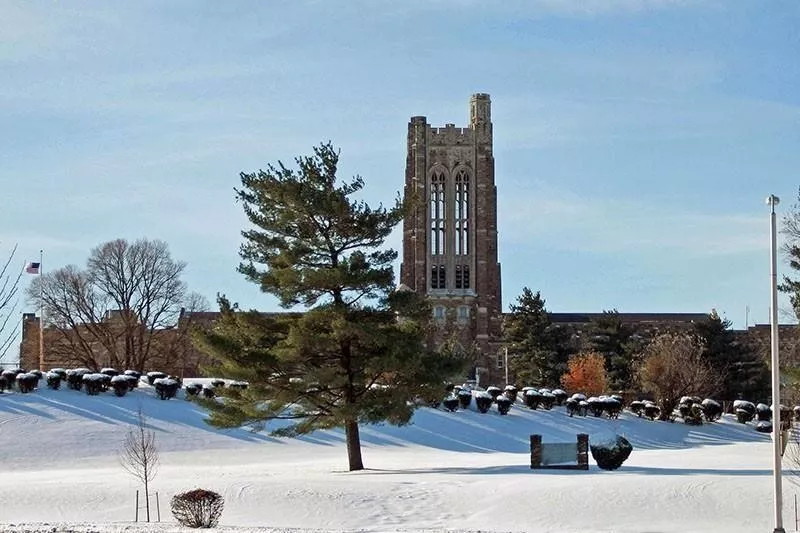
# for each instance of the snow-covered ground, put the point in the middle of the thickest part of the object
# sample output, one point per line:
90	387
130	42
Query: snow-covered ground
461	471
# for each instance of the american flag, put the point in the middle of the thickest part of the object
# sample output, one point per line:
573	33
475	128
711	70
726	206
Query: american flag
32	268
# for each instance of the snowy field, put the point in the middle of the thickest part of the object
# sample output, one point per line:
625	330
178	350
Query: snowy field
461	471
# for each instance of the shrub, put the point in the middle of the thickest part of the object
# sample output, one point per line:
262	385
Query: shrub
712	410
763	413
548	399
208	392
241	385
75	377
531	397
166	388
197	508
192	389
26	382
503	404
121	385
93	383
493	391
464	398
3	382
450	403
136	377
153	376
59	372
651	410
586	372
483	401
745	411
511	392
218	383
637	408
764	426
109	371
560	395
612	405
53	380
610	455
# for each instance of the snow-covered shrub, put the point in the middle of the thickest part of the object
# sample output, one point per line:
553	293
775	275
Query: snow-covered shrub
483	401
136	377
450	403
109	371
637	408
712	410
208	392
596	406
153	376
120	385
548	399
763	413
166	388
3	383
745	411
651	410
464	398
503	404
763	426
9	378
105	382
532	398
59	372
612	405
493	391
198	508
37	373
241	385
610	453
218	383
572	406
192	390
53	380
560	395
511	392
75	377
26	382
93	383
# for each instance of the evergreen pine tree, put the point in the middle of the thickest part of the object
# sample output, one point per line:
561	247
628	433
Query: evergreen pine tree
537	347
613	338
358	353
743	373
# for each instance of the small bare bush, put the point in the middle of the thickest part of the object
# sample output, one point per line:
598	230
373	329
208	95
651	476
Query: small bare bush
197	508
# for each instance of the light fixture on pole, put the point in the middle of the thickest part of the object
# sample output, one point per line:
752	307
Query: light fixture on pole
772	201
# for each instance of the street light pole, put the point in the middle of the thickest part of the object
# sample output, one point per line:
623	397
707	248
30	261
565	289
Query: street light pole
772	201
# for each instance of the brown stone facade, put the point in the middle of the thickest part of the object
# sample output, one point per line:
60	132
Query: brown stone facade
170	350
450	236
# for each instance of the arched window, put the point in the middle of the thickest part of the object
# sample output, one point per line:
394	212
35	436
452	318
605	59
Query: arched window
462	213
437	213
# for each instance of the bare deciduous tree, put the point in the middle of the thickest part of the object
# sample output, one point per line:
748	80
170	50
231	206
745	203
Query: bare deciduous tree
108	313
673	367
9	285
139	455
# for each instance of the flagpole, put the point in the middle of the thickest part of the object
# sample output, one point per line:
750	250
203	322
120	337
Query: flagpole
41	314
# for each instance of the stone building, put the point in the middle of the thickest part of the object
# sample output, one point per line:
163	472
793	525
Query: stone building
111	342
450	236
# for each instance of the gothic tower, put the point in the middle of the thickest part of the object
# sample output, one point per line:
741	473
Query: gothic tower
450	237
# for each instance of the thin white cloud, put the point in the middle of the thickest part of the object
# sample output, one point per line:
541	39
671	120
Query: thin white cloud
564	220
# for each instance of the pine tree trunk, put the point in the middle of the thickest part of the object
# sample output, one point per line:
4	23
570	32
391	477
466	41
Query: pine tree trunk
353	445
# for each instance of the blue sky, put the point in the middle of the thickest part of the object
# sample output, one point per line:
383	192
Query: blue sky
635	141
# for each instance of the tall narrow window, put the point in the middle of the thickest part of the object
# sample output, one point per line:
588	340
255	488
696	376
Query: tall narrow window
438	277
462	213
462	277
437	214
